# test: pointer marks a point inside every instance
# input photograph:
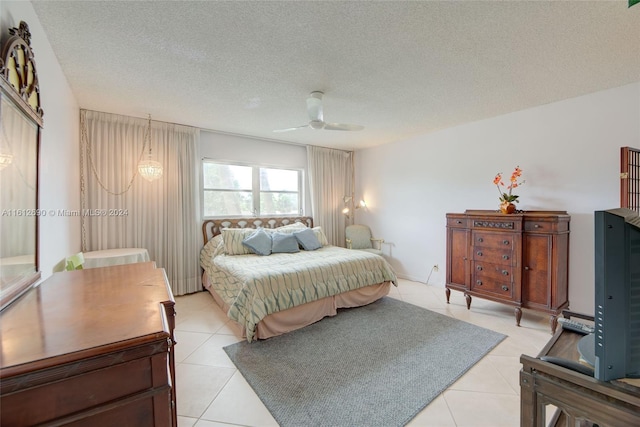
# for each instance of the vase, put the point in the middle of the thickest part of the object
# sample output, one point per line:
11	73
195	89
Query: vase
507	207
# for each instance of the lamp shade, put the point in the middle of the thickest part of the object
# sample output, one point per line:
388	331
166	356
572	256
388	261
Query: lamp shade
150	169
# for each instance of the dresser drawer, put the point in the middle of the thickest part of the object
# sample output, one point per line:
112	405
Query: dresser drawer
545	226
500	288
500	222
493	271
457	222
492	240
93	389
502	255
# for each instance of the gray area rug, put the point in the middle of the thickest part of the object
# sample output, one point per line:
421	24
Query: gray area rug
377	365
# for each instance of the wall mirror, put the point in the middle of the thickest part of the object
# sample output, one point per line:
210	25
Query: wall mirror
20	128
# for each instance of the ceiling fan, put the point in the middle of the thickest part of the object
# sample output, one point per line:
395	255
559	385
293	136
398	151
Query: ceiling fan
314	108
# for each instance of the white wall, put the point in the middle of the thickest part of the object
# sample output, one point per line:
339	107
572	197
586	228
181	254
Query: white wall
59	150
570	155
235	148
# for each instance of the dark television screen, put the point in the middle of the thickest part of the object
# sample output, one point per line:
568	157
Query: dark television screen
617	294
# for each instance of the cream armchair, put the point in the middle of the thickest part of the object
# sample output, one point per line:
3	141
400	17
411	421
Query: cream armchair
359	237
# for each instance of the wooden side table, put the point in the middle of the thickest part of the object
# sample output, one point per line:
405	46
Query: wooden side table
580	399
108	257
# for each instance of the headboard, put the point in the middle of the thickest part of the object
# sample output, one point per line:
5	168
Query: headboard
212	227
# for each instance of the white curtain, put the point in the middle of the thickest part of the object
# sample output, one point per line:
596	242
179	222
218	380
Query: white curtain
121	209
330	180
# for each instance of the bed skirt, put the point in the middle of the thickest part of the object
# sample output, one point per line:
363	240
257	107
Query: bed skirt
303	315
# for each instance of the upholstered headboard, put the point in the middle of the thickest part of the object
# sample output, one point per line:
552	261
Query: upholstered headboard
212	227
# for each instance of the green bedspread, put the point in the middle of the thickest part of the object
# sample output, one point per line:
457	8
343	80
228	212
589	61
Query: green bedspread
254	286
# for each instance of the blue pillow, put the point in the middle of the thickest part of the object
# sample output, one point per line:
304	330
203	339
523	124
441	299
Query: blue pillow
284	243
259	242
307	239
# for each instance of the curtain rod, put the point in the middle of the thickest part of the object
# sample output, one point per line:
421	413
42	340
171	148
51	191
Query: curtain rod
226	133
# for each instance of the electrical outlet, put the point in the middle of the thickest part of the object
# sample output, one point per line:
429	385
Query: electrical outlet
435	267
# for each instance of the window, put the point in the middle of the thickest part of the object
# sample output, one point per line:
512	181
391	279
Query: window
248	190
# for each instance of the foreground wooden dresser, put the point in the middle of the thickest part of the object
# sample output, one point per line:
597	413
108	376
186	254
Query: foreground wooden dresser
516	259
90	347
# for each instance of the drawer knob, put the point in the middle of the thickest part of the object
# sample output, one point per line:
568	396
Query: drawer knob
506	242
505	288
458	222
505	257
480	239
526	267
536	226
505	273
479	282
479	268
479	253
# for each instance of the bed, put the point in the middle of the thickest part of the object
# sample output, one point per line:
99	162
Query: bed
281	292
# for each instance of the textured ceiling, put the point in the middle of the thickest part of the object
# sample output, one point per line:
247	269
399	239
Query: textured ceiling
398	68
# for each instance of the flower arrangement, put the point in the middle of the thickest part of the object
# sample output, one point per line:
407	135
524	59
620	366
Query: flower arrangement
507	196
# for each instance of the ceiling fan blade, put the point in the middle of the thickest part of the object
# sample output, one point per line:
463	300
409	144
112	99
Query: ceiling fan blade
316	122
342	126
290	129
314	106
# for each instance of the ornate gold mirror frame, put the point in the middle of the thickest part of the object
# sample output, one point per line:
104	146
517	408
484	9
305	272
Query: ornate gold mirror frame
20	129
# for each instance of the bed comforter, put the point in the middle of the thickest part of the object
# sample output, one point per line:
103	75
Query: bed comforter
254	286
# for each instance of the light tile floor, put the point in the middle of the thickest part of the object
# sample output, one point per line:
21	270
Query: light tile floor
212	393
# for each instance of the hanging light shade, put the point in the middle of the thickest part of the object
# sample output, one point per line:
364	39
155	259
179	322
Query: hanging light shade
149	168
5	160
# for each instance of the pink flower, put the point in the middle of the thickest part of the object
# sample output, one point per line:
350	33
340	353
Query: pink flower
506	196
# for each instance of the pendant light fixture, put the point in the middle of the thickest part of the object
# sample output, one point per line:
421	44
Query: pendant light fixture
5	160
149	169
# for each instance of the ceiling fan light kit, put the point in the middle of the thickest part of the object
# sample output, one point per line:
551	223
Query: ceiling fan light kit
316	117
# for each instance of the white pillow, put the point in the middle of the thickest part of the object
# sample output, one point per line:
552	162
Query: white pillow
233	237
289	228
322	238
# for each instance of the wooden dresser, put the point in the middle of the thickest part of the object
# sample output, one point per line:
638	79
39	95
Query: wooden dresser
518	259
90	347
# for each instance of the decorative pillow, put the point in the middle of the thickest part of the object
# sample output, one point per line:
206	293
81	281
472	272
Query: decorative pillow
259	242
290	228
284	243
307	239
233	237
322	238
